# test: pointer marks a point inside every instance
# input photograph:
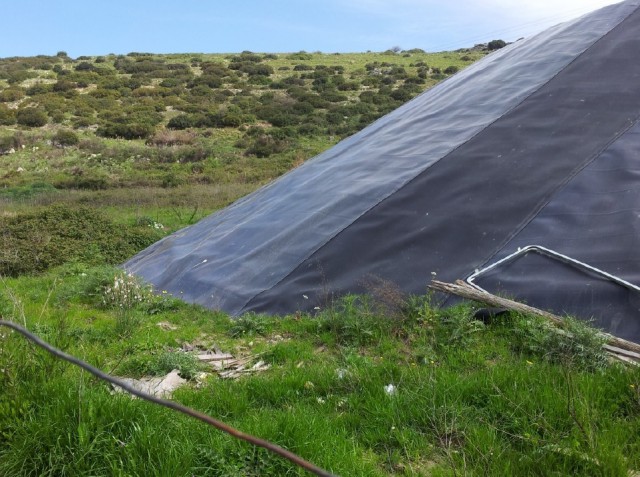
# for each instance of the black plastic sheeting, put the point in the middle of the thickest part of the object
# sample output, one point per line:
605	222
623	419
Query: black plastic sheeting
449	182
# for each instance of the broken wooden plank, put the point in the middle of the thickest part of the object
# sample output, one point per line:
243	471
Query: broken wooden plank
622	352
207	357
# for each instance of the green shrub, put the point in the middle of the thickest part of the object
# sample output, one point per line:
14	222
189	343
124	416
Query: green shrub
85	66
7	116
11	142
183	121
265	145
82	122
39	88
167	138
352	321
11	94
81	181
496	44
63	85
301	55
34	242
248	325
27	191
171	180
32	117
65	138
577	345
125	131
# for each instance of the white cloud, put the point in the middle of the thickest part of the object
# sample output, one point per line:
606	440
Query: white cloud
455	24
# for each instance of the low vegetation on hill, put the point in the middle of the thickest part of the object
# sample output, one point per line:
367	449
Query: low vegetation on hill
165	120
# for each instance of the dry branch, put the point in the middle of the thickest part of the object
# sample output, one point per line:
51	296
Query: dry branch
464	290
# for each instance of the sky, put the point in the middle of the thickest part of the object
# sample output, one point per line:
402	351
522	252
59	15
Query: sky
99	27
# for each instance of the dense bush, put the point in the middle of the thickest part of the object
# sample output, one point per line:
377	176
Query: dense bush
265	145
85	66
167	138
252	69
11	94
496	44
65	138
141	65
32	117
246	56
125	130
7	116
15	77
39	88
210	80
37	241
14	141
301	55
52	103
183	121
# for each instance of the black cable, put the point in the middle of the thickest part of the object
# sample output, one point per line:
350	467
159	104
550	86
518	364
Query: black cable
276	449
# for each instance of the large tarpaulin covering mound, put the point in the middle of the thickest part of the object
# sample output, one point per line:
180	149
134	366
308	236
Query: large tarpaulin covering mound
538	143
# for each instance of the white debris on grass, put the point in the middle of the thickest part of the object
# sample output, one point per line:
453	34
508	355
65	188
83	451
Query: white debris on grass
390	389
162	386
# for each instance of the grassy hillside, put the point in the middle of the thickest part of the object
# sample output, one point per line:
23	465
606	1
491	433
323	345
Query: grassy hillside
220	124
101	156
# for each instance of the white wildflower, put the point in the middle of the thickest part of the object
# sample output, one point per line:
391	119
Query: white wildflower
390	389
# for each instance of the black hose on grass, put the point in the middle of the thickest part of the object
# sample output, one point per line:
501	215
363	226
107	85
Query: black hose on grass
256	441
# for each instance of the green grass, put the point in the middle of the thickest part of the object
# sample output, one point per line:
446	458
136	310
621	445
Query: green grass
469	398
